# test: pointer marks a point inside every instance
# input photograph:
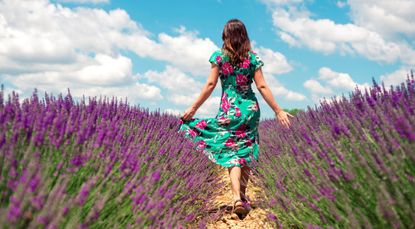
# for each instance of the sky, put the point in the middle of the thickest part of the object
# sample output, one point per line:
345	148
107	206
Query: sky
155	54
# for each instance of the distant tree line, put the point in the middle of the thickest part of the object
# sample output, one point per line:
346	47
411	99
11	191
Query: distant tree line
293	111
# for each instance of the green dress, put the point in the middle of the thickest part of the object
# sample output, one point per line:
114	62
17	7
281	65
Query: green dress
231	137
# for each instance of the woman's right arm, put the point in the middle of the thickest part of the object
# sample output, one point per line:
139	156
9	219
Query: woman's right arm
269	98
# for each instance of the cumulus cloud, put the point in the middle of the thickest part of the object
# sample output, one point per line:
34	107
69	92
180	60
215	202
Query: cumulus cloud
279	90
316	88
396	78
175	112
53	47
84	1
330	83
275	62
341	4
182	90
173	79
180	51
209	108
389	18
296	27
337	79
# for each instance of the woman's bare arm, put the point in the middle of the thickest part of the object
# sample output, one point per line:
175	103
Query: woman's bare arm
206	92
269	98
208	88
265	91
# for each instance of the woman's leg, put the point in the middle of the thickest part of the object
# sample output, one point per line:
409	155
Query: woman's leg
245	179
235	176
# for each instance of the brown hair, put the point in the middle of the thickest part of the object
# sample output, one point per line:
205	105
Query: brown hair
236	43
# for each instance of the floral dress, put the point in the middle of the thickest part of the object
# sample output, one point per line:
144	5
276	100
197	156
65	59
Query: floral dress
231	138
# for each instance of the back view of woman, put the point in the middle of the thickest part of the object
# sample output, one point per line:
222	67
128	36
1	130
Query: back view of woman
231	138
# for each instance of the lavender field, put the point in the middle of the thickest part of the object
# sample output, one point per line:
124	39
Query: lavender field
345	164
102	163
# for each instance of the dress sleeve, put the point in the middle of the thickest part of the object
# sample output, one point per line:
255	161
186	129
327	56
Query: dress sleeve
216	57
256	61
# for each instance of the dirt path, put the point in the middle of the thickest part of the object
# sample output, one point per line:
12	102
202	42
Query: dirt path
256	218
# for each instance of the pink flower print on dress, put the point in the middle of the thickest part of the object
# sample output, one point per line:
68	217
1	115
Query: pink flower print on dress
231	143
201	144
201	124
227	68
254	106
241	79
234	161
248	142
192	132
245	63
242	161
225	103
218	59
222	120
237	112
241	131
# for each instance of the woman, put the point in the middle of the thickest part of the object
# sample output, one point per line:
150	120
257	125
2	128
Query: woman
231	138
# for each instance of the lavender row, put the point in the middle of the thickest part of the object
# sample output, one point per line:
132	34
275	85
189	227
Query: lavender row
344	164
97	163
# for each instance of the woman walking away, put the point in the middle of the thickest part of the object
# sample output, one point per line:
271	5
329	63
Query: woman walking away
231	138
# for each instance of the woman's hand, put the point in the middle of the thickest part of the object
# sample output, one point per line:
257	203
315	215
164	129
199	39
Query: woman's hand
283	118
188	114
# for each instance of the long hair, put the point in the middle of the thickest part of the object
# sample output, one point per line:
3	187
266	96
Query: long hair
236	43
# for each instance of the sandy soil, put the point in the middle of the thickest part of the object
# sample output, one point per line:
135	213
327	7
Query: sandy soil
222	205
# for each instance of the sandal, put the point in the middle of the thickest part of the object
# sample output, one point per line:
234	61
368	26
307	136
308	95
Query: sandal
239	209
248	205
245	199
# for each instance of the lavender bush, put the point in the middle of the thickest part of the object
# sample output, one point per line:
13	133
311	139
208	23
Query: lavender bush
344	164
99	163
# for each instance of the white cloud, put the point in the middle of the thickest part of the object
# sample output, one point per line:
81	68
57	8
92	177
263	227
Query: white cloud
336	79
173	79
316	88
396	78
296	27
182	90
281	2
53	36
175	112
182	99
341	4
85	1
53	47
274	62
209	108
278	89
50	83
388	18
329	83
179	51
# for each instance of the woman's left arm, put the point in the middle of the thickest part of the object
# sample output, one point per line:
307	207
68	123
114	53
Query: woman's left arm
206	92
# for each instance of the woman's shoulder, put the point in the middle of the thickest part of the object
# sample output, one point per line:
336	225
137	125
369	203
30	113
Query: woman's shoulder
252	53
217	57
255	59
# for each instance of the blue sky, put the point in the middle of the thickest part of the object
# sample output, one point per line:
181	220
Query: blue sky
156	53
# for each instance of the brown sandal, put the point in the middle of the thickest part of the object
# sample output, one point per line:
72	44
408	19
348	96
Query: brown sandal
239	209
247	202
245	199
